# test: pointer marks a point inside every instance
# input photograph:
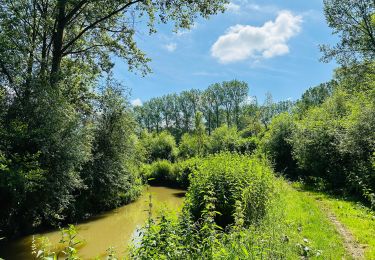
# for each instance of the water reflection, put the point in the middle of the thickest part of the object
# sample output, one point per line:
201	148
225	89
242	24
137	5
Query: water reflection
114	228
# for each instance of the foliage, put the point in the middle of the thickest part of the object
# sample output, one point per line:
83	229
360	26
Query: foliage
159	146
52	56
69	242
221	102
229	139
223	138
229	178
166	173
354	23
335	142
277	144
160	171
315	96
44	145
194	144
111	176
294	227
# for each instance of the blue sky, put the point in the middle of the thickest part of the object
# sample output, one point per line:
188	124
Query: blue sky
270	44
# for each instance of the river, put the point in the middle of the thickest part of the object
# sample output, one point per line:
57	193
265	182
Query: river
115	228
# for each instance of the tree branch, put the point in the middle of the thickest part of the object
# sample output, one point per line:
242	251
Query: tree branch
91	26
6	72
75	10
83	50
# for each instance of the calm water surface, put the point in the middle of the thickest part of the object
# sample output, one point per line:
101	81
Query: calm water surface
114	228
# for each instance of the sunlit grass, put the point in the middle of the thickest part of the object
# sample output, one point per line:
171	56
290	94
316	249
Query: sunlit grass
358	219
295	227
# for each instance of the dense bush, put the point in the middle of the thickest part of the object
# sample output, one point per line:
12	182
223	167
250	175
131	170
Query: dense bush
161	171
111	177
159	146
44	144
223	138
335	142
229	179
229	139
277	144
190	147
167	173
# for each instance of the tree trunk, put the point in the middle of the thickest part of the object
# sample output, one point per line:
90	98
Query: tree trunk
58	37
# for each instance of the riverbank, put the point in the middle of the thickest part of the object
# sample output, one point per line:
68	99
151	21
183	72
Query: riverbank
114	228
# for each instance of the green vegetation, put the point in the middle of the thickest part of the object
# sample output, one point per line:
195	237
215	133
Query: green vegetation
68	145
356	217
294	226
71	145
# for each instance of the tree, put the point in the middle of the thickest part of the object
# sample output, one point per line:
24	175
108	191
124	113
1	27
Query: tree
186	108
277	144
51	55
155	106
40	36
200	132
354	22
167	110
217	97
267	111
111	176
238	92
208	108
315	96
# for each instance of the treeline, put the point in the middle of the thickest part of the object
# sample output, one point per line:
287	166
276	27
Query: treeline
221	103
325	139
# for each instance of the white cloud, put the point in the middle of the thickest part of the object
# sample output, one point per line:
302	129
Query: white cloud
232	7
242	42
171	47
136	102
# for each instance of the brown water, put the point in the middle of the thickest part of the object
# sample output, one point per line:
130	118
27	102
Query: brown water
115	228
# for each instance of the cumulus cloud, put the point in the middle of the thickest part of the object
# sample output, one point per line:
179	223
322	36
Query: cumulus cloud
242	42
171	47
136	102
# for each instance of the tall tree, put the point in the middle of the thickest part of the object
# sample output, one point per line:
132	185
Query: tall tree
41	34
354	22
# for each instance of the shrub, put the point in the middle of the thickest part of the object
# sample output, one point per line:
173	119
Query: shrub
160	146
165	172
223	138
335	142
159	171
276	143
247	145
230	179
189	146
183	169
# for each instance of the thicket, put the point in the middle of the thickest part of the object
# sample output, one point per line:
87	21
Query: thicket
329	143
227	192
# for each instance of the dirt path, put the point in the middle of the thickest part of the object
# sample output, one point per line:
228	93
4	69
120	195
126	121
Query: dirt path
350	243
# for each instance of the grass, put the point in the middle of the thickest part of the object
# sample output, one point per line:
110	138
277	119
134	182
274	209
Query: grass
308	226
295	227
358	219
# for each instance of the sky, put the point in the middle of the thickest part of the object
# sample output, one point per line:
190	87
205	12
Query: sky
273	45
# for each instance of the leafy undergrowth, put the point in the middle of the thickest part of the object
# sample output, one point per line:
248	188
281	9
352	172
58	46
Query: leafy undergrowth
358	219
295	227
